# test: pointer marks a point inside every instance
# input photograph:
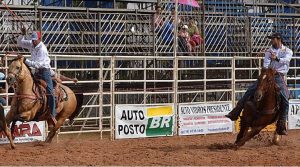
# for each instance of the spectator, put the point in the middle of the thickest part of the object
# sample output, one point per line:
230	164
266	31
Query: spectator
194	34
184	39
179	21
158	21
167	32
2	77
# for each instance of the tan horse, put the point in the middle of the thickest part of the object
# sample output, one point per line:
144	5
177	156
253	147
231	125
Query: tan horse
28	104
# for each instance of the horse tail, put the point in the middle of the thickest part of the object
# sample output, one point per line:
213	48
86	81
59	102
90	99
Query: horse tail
79	98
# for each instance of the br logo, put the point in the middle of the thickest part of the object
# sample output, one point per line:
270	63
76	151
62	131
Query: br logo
160	121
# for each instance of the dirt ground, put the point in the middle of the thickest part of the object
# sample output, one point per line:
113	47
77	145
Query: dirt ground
187	150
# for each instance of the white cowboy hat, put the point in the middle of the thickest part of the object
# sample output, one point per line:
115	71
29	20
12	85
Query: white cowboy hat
185	27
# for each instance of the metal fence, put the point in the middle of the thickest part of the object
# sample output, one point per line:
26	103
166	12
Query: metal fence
121	57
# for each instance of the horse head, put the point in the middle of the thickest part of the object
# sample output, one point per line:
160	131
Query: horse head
16	71
266	81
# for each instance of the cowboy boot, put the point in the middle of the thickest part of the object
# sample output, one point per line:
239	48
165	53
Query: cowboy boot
235	113
281	126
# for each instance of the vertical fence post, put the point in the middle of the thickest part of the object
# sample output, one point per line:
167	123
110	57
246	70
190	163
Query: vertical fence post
233	84
203	28
175	66
99	33
112	91
153	35
100	94
41	24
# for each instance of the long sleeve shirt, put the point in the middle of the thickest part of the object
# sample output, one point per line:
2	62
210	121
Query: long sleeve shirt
284	55
39	54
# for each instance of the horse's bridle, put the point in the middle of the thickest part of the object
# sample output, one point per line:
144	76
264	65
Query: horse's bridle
17	73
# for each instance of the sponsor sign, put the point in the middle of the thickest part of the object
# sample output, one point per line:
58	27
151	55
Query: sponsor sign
204	118
294	115
143	121
26	132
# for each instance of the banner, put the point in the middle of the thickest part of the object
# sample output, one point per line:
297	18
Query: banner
204	118
294	115
26	132
143	121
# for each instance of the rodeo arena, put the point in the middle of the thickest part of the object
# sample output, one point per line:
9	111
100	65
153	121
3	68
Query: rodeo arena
149	82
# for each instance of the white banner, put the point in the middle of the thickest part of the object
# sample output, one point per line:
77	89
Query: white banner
142	121
294	115
204	118
26	132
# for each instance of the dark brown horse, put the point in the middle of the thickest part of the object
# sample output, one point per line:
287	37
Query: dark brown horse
28	102
261	110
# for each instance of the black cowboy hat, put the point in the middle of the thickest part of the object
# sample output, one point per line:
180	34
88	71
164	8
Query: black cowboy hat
275	35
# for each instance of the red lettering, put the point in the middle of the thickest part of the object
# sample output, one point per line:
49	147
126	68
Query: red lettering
24	130
16	133
199	118
36	131
199	123
188	123
215	117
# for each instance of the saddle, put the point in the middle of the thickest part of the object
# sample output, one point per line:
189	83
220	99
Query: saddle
39	90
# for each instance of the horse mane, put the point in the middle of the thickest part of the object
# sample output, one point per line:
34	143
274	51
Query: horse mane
18	58
272	80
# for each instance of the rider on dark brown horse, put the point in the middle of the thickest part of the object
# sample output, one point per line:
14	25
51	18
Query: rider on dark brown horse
41	62
277	57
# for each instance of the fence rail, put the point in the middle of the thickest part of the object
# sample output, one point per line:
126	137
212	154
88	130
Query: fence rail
105	82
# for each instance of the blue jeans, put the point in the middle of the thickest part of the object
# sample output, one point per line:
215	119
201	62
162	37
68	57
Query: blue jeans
45	75
2	101
283	91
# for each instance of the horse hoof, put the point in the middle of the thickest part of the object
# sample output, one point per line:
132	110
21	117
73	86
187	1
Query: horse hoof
48	141
236	147
13	146
276	139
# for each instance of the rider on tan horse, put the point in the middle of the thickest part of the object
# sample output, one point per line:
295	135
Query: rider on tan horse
29	102
31	96
41	62
277	57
